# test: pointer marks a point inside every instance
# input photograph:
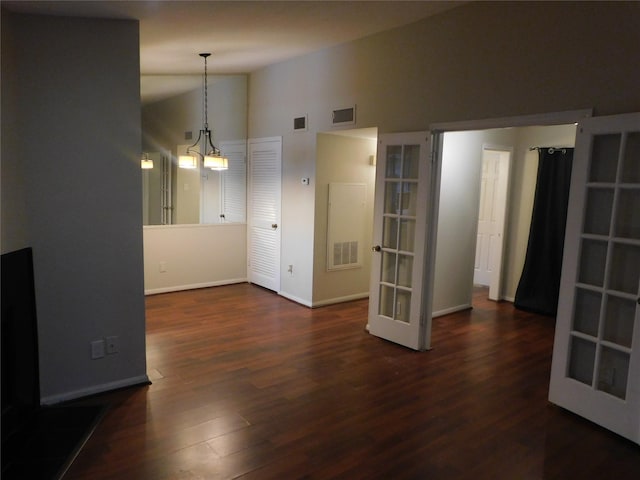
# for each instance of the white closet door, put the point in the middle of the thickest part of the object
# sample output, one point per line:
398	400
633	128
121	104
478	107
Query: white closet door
596	357
265	165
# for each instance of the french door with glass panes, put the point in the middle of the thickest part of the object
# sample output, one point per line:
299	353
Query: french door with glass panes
596	358
396	297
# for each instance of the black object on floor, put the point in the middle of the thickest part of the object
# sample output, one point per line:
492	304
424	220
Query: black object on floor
48	442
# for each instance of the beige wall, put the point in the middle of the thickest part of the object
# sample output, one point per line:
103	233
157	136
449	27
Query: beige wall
341	159
194	256
522	188
481	60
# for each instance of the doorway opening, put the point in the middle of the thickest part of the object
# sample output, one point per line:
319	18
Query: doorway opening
460	149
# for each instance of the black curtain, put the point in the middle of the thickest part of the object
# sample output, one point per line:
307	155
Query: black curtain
540	282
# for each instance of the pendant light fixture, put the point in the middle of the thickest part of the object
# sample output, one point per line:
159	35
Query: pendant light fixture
212	158
146	163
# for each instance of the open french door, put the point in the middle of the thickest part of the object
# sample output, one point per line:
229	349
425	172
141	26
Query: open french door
596	357
399	305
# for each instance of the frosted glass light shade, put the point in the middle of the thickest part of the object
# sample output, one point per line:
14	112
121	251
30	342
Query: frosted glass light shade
187	161
215	162
146	163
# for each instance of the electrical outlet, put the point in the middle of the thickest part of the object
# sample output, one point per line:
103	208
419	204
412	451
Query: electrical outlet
163	267
97	349
290	270
112	345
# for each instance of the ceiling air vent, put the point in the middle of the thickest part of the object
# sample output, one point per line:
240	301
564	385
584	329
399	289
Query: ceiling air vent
300	124
344	116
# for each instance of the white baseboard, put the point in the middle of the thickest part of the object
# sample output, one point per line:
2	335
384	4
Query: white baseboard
509	299
293	298
346	298
447	311
85	392
193	286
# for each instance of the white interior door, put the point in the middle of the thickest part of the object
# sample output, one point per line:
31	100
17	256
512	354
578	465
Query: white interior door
491	220
596	357
396	307
265	165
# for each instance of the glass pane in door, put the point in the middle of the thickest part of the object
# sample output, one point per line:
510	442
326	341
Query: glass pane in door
604	158
390	232
619	320
407	235
631	159
394	161
597	218
392	197
613	372
386	301
628	213
592	262
388	267
581	360
411	162
586	314
625	274
403	306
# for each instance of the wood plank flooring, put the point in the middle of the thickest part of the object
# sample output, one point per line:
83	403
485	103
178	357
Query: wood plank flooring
249	385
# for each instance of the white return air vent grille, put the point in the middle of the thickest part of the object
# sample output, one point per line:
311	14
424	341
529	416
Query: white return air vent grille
346	225
345	254
344	116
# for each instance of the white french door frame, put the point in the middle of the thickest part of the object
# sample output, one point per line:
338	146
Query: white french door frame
412	329
617	411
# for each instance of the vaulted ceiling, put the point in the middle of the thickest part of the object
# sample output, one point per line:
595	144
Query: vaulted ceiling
242	36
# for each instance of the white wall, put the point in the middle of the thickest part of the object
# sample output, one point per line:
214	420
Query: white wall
341	159
73	123
465	64
458	215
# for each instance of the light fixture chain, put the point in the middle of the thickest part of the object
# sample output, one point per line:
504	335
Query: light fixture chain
206	101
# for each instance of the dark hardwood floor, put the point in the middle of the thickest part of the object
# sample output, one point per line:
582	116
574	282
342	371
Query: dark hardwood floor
249	385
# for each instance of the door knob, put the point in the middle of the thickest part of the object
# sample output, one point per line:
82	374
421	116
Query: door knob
376	248
274	225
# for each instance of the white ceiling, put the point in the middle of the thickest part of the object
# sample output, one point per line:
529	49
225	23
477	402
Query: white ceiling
242	36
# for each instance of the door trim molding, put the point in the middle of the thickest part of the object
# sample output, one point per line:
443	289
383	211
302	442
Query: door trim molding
542	119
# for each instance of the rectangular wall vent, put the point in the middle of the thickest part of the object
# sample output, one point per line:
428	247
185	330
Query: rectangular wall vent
300	124
188	135
345	253
344	116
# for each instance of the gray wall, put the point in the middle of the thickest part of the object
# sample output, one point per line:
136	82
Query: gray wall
71	189
481	60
